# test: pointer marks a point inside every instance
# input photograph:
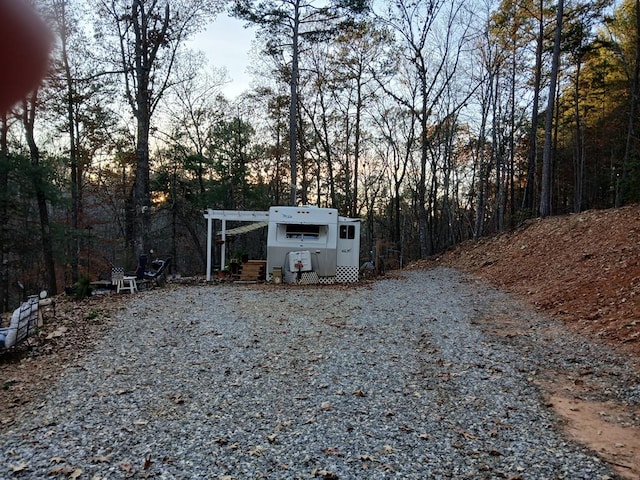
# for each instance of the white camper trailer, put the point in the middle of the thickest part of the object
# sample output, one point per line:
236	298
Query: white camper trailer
304	244
313	245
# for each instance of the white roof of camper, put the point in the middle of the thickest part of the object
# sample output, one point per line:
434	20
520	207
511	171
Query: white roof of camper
302	215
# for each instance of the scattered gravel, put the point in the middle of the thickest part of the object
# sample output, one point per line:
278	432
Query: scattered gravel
396	379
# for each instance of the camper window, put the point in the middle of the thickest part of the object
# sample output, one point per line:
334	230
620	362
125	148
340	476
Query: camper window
303	231
348	232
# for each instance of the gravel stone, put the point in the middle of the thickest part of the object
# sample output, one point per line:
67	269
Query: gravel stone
397	379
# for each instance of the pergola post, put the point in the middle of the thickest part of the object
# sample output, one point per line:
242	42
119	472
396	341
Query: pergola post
209	246
223	247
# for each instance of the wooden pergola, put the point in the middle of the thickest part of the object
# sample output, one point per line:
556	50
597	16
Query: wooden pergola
258	219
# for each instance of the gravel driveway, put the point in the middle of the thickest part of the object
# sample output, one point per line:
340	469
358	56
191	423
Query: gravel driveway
394	379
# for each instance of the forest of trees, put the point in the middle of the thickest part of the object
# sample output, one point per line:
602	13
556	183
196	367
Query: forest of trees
433	121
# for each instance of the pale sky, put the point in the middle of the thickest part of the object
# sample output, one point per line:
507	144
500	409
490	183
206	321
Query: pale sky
226	43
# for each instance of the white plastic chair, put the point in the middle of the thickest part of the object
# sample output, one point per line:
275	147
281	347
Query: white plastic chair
122	281
24	322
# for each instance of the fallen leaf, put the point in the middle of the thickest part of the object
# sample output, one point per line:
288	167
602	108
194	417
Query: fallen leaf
367	458
359	393
331	451
59	332
57	460
62	470
468	435
256	451
18	468
75	474
284	424
323	473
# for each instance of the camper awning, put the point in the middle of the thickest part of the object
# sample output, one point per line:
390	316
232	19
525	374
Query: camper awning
246	228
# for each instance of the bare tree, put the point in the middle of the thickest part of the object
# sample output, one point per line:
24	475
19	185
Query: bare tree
530	189
361	51
149	34
61	14
29	114
433	34
285	25
396	130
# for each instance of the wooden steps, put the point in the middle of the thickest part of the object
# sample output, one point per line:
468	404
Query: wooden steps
253	271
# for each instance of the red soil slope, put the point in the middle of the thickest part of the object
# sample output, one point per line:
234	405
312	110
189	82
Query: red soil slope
583	269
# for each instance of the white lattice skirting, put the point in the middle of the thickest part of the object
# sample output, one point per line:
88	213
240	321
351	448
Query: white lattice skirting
343	275
346	274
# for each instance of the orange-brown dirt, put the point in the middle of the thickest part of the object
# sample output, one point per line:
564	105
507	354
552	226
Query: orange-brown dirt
583	270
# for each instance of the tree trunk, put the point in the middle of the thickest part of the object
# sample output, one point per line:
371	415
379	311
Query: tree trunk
353	207
278	153
304	171
579	148
498	155
530	189
4	212
141	196
293	107
482	168
633	113
146	45
423	234
512	141
28	120
547	160
73	151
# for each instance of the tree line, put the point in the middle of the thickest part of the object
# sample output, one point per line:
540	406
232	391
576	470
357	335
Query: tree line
433	121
